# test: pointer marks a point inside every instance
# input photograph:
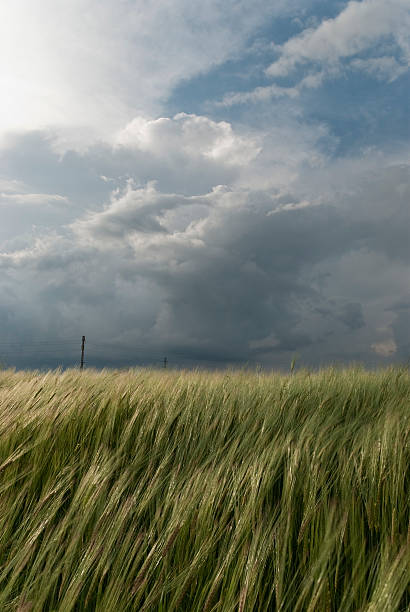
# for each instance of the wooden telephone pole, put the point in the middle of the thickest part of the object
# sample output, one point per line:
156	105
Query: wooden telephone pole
82	352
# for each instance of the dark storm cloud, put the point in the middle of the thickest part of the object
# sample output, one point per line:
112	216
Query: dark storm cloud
352	315
401	328
401	325
230	275
276	225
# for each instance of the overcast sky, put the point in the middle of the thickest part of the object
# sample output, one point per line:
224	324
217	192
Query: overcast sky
223	182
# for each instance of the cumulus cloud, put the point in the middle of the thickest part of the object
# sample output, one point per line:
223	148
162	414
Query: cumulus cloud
358	27
177	153
359	38
206	242
135	211
190	136
234	274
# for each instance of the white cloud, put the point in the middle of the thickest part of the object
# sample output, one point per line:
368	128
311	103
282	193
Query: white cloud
86	67
384	68
10	186
359	27
31	199
269	92
135	211
42	249
191	154
293	206
190	136
259	94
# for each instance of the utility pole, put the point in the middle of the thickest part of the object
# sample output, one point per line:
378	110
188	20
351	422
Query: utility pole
165	362
82	352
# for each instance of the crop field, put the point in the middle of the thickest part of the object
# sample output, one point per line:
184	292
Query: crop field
233	491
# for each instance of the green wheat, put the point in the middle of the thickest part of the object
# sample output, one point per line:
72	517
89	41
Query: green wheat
166	490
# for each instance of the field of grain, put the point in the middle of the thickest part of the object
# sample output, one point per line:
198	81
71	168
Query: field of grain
235	491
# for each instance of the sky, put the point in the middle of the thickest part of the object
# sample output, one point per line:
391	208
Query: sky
223	183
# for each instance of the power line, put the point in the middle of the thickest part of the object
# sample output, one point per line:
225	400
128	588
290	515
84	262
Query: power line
65	351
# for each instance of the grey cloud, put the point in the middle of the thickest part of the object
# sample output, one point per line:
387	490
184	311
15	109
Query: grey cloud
384	216
82	176
133	211
402	304
352	315
230	275
401	324
31	156
401	331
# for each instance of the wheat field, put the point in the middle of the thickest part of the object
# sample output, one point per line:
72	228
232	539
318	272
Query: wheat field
232	491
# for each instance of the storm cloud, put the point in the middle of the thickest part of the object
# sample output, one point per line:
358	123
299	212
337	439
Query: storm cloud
213	240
